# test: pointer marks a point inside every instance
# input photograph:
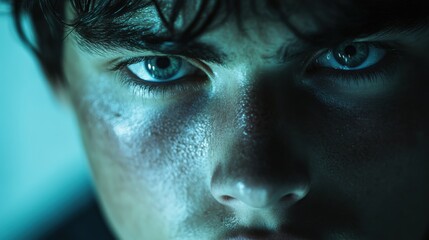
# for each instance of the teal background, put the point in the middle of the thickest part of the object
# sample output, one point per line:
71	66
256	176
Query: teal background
43	171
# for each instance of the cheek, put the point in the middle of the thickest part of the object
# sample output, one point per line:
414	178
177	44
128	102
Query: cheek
376	157
381	139
149	160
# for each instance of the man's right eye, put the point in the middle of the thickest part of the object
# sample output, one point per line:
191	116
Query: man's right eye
161	69
153	75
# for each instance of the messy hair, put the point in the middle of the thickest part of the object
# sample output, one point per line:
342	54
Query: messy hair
92	19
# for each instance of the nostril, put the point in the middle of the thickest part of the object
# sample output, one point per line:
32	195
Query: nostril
289	197
226	198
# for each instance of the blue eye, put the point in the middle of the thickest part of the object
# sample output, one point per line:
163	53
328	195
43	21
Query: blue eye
158	69
351	56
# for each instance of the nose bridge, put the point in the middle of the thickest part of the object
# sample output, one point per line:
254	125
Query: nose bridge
258	168
257	109
266	101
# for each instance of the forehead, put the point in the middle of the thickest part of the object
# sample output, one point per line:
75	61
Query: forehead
182	16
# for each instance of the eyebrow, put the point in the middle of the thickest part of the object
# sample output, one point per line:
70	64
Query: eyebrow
194	49
414	32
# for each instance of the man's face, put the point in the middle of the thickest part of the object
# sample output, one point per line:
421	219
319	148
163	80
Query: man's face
260	143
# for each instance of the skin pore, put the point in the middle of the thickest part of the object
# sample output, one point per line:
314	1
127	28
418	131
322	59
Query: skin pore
255	142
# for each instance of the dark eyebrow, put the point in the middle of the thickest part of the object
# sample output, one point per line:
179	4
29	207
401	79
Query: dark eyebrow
415	32
194	49
390	32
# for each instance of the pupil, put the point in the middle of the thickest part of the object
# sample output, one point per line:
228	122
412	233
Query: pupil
350	50
163	62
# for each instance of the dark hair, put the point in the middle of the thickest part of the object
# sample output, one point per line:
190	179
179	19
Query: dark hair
336	19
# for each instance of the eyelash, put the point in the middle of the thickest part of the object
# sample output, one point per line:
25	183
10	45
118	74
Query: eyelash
127	78
376	73
380	70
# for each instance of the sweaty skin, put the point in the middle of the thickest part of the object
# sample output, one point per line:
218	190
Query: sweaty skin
252	148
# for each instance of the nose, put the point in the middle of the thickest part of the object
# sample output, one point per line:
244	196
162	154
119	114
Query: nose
240	187
263	165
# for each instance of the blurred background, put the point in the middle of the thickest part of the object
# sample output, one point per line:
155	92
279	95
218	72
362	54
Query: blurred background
45	187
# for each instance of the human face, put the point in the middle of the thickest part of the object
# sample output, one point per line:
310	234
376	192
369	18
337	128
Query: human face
247	147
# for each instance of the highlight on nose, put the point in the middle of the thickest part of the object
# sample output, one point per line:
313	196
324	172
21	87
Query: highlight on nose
258	194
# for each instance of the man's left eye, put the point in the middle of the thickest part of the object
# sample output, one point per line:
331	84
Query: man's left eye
159	69
351	56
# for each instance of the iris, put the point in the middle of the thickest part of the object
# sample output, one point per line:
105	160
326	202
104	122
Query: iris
163	68
352	56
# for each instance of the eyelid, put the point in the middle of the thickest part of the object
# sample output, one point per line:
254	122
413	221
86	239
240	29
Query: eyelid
120	64
374	55
386	45
140	70
204	67
160	90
